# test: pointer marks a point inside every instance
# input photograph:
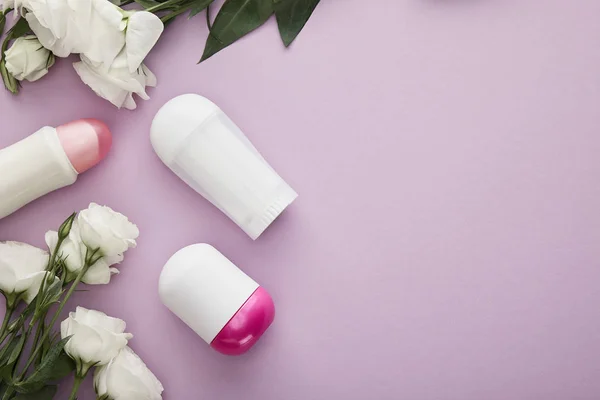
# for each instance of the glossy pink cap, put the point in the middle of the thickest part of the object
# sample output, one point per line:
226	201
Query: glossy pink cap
247	325
85	142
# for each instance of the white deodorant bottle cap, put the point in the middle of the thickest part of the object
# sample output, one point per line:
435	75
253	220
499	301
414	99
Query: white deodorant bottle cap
204	289
202	146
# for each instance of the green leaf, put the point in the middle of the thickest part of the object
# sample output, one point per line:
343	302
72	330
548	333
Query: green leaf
236	19
11	84
198	6
44	372
47	393
6	372
16	351
8	348
52	295
48	344
291	16
21	28
28	387
62	368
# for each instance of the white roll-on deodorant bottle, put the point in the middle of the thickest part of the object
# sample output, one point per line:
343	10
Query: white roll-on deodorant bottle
49	159
202	146
222	304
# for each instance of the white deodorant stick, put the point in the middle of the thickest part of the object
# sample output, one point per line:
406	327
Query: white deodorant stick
202	146
49	159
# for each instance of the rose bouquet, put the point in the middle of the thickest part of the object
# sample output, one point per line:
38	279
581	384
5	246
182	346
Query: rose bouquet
38	284
112	42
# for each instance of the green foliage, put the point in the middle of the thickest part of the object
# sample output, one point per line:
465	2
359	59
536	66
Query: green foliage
292	15
199	6
237	18
45	393
45	372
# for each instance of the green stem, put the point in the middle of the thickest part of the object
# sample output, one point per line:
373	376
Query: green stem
27	333
38	334
52	270
17	324
8	394
40	331
2	22
163	6
10	309
172	15
11	337
76	384
10	391
5	44
38	348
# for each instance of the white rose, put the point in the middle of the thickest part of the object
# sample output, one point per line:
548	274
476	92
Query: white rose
105	33
113	43
102	228
98	29
95	338
59	24
22	270
93	27
74	251
126	75
126	377
28	59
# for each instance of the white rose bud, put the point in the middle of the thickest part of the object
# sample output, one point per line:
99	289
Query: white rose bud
27	59
107	230
73	251
126	377
22	270
95	338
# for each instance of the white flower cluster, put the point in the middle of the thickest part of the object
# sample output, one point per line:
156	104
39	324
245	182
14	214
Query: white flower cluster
112	44
97	238
99	340
97	227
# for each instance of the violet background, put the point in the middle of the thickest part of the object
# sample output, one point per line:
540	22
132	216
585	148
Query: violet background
445	244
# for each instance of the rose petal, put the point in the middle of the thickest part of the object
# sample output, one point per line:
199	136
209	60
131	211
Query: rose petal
143	31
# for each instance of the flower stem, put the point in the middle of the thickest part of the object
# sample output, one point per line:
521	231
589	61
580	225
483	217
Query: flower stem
26	335
174	14
38	334
8	394
163	6
50	267
76	384
9	312
38	348
2	22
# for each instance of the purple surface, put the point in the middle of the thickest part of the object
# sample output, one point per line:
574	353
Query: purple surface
445	244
